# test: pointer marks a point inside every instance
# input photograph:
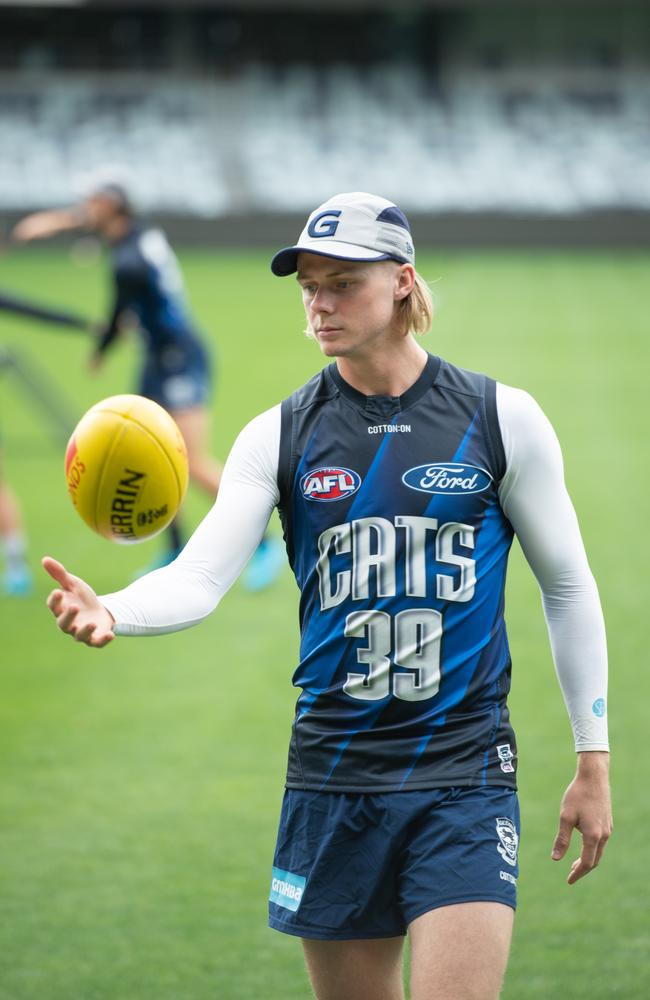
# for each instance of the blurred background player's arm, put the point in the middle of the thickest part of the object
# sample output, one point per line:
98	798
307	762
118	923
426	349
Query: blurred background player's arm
42	225
21	307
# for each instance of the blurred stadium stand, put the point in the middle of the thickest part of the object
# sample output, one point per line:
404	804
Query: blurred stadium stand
492	119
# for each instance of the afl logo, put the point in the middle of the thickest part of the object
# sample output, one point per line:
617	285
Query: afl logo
450	478
329	483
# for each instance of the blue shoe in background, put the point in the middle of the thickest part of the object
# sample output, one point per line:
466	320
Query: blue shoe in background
18	581
265	565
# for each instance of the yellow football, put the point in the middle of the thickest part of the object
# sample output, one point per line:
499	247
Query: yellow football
126	468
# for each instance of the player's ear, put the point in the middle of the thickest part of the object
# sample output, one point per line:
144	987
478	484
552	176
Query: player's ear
404	280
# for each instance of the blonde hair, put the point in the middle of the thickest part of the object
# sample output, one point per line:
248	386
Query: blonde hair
416	310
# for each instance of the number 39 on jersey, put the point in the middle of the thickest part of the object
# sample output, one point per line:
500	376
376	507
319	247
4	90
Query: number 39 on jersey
410	639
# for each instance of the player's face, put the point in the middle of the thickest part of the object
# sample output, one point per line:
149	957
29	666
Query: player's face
100	211
350	305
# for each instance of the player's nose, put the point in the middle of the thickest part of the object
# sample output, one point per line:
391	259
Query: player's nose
322	301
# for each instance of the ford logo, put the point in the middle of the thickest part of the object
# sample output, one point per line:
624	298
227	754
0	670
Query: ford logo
447	477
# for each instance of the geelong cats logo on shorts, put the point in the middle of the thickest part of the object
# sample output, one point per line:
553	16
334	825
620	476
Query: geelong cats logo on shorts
447	477
329	483
508	840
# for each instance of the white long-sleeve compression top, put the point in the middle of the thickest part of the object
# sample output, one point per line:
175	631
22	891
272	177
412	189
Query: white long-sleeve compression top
533	496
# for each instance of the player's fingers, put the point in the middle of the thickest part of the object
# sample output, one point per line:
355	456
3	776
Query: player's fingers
588	852
55	602
587	861
101	639
84	634
562	839
65	621
58	572
601	847
577	871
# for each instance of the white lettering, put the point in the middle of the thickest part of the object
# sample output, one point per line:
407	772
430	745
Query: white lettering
363	556
340	537
370	545
286	889
464	535
445	480
390	429
416	538
325	484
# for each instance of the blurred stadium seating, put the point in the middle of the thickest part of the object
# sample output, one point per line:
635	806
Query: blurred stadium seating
458	115
269	140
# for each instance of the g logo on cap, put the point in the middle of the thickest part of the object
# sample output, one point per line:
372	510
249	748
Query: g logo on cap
324	224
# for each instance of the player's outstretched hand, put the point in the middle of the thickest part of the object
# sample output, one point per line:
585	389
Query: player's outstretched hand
32	227
40	225
586	806
75	606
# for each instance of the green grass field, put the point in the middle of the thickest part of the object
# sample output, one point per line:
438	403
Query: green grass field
140	785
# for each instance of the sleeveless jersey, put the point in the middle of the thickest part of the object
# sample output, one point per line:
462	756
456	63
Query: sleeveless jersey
399	546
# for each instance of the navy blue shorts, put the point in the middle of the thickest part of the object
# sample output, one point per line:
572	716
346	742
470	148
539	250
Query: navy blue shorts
364	866
178	377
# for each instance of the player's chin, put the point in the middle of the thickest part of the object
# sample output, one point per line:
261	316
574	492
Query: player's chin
331	344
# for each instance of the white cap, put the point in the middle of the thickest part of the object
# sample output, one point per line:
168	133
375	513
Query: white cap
353	226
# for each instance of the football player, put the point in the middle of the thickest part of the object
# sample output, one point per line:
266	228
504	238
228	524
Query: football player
401	481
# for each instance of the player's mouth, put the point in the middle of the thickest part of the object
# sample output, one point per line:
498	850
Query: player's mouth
328	331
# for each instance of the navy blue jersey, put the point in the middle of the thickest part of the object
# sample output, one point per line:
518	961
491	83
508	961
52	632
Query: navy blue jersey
148	283
399	546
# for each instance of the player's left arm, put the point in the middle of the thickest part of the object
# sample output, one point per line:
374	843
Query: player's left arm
129	281
535	499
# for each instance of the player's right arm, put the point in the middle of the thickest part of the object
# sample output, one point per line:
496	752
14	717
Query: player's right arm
185	592
41	225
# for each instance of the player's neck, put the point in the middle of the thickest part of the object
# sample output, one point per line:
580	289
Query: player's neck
389	372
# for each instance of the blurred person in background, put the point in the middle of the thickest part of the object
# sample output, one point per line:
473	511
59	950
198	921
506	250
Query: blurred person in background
17	578
149	290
